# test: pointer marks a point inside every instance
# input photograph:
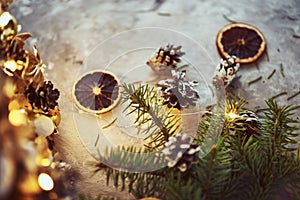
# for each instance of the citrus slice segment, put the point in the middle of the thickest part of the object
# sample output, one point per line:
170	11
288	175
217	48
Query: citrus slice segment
96	92
242	40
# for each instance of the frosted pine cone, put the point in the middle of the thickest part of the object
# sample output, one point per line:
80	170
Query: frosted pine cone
250	122
226	69
179	92
165	58
180	152
44	97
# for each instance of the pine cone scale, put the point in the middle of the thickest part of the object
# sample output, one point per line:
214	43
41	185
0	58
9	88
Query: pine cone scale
44	97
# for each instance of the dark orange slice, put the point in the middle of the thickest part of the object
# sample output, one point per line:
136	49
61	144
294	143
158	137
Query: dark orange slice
96	92
244	41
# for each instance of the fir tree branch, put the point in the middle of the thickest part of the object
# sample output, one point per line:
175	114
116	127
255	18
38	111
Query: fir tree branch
144	101
132	169
279	124
266	158
237	167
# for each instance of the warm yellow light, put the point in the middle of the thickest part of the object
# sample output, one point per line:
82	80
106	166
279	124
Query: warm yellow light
45	182
5	18
9	89
29	185
13	105
45	162
17	117
232	115
11	65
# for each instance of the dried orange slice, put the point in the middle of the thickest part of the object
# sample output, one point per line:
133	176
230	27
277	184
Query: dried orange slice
96	92
244	41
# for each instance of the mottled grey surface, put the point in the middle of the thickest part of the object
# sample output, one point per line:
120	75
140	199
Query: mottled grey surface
67	31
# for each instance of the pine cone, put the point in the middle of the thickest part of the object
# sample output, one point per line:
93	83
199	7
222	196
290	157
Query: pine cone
250	122
226	69
44	97
165	58
180	152
178	92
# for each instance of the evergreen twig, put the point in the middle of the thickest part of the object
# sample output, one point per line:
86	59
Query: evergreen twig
237	167
144	101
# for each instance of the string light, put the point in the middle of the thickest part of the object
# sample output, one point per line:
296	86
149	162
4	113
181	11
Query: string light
11	65
45	182
232	115
17	117
45	162
5	18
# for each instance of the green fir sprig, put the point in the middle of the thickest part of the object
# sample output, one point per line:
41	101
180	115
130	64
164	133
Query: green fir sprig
259	166
145	102
131	169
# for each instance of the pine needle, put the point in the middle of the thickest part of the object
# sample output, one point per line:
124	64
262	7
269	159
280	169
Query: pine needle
255	80
281	70
296	36
181	67
278	95
294	95
97	139
111	123
164	14
261	110
228	19
257	66
267	54
273	72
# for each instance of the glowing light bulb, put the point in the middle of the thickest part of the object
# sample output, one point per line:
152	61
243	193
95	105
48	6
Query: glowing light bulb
45	182
232	115
45	162
5	18
10	64
17	117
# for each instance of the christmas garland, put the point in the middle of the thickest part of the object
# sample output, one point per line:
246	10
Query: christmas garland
29	119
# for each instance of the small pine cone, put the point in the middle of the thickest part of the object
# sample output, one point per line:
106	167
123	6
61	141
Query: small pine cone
178	92
165	58
180	152
44	97
250	122
249	116
227	69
